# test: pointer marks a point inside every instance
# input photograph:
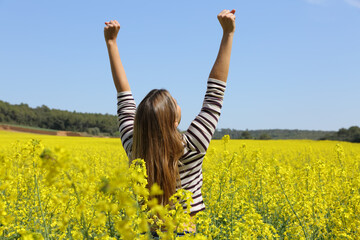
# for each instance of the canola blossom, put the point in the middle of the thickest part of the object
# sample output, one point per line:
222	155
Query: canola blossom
83	188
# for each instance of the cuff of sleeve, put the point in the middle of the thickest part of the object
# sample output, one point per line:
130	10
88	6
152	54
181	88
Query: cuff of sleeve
217	81
119	94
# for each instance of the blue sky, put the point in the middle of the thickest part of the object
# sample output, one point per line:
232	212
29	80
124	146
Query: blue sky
295	64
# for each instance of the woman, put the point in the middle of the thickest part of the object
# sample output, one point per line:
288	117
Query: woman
173	160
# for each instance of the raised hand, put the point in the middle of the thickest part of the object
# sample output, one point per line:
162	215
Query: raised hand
227	20
220	69
111	30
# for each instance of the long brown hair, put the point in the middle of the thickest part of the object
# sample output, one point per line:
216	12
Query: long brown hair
157	141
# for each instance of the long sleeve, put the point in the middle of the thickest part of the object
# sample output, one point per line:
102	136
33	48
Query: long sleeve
197	139
126	109
203	126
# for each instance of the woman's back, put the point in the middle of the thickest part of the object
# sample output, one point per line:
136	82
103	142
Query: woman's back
195	139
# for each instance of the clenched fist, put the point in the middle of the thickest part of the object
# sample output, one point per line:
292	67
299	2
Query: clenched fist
227	20
111	30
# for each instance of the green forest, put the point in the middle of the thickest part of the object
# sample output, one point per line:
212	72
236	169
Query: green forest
352	134
267	134
44	117
106	125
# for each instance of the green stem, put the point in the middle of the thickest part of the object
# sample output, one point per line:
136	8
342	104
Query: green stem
262	201
35	143
41	209
287	199
82	220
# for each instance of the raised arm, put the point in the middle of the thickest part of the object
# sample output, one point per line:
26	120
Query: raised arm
203	127
220	69
110	33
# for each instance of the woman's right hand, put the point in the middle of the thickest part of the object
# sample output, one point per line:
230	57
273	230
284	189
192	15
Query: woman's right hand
111	30
227	20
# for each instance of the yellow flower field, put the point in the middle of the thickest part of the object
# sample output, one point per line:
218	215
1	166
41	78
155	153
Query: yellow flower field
82	188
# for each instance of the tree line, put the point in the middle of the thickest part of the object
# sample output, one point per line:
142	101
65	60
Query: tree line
271	134
106	125
44	117
352	134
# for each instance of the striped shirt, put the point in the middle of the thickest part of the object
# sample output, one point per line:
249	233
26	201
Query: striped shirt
196	138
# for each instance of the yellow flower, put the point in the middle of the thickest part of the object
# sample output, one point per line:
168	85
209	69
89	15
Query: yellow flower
226	138
63	187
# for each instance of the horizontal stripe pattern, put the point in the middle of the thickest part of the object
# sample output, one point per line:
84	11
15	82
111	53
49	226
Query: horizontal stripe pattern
196	138
126	109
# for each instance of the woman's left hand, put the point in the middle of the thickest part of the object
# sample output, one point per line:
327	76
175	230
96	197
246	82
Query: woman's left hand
111	30
227	20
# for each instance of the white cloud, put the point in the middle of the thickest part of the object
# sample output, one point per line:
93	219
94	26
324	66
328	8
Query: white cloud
354	3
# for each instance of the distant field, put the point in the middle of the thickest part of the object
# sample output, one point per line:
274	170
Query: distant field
65	187
27	129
